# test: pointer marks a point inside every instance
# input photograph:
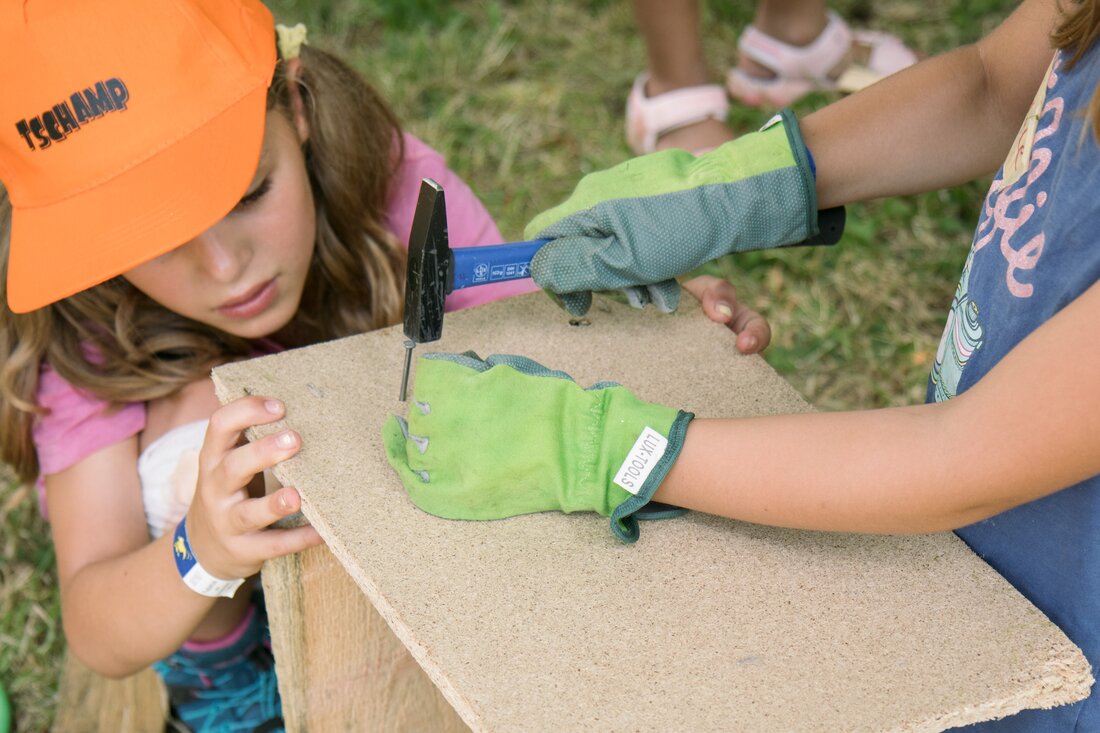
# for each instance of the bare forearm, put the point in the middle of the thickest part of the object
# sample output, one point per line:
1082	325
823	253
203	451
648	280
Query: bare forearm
1010	439
945	121
123	613
875	471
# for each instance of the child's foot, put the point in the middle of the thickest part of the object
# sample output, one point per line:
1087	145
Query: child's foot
779	69
692	118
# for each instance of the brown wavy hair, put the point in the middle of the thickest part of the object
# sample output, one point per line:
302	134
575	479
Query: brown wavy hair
1075	35
145	351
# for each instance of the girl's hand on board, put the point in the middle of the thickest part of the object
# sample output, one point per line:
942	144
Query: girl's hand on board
719	300
229	530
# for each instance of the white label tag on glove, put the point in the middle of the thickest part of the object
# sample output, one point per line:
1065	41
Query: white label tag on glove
771	123
647	450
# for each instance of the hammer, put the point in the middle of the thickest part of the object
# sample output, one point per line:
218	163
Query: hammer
435	270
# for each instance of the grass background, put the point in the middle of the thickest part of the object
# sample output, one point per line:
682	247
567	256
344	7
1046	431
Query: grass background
525	96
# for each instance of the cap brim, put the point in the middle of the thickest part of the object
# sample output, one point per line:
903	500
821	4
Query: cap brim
159	204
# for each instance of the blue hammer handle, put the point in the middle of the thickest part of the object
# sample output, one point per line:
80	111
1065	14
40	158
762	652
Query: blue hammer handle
494	263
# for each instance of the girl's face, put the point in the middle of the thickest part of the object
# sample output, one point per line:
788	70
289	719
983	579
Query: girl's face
245	274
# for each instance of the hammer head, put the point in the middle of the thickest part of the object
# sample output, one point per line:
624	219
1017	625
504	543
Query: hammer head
429	268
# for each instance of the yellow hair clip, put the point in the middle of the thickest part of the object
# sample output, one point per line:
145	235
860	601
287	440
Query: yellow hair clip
290	40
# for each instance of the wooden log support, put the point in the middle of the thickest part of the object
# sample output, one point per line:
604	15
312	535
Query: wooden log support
90	703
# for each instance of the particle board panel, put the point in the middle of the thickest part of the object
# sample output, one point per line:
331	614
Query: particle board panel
546	622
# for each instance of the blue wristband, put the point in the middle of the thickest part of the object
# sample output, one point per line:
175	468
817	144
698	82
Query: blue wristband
192	572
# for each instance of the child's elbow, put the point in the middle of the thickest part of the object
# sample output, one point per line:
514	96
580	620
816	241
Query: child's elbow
102	661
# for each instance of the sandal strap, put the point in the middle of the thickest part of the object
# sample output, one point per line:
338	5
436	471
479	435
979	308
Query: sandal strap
888	55
815	61
647	118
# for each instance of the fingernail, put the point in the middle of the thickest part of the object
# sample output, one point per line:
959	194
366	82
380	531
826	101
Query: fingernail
724	309
750	343
274	406
284	502
285	440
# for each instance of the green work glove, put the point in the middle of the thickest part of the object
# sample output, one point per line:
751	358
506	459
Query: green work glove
638	225
494	438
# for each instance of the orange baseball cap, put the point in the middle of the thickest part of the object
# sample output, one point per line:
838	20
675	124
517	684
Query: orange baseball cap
127	127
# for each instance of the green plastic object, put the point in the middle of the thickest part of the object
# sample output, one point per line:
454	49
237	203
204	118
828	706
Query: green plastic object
650	219
5	711
503	436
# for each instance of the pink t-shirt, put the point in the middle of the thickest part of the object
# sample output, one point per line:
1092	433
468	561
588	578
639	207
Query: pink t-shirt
79	424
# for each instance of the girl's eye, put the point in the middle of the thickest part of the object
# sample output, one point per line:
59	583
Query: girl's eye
255	195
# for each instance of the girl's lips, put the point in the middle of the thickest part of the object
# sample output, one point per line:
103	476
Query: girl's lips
253	303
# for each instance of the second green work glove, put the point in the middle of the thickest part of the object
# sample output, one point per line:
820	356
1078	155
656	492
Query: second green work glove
495	438
640	224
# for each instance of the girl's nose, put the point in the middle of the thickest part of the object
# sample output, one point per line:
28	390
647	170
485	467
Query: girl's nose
220	253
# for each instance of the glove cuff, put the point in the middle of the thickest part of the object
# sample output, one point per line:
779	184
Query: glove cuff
624	523
823	227
770	168
801	154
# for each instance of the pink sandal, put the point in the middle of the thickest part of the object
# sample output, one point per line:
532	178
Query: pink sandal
800	70
647	118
